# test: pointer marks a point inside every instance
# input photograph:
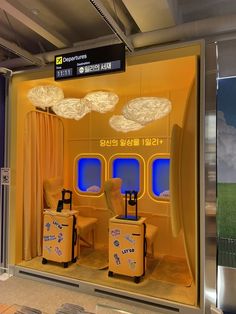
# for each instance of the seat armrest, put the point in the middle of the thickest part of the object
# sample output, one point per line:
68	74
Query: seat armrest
85	210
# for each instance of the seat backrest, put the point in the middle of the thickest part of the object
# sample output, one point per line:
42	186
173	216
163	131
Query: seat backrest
52	191
113	196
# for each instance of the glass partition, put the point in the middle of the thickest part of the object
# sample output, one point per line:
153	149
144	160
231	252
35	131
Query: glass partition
226	172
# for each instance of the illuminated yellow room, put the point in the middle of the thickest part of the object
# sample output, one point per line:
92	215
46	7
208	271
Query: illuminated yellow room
141	126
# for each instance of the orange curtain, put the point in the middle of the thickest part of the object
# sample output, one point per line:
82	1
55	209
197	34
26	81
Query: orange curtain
43	158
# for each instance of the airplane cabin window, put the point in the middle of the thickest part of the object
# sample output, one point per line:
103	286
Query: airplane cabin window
160	177
89	175
128	169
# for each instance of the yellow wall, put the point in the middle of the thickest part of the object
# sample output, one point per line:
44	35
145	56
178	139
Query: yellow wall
168	78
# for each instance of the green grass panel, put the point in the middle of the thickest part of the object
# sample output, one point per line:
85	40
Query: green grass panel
226	210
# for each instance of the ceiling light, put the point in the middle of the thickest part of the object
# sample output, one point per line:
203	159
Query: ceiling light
72	108
144	110
121	124
45	96
102	101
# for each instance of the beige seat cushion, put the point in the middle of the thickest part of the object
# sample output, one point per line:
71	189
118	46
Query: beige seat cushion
151	233
86	224
151	236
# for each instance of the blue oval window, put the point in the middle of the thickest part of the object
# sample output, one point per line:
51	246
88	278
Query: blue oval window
89	175
160	177
128	169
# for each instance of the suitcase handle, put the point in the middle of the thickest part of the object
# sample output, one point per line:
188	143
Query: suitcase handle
145	247
145	240
59	206
65	198
131	199
75	236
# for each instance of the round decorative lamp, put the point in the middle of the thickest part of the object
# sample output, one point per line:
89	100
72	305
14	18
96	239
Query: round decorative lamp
121	124
72	108
45	96
144	110
102	101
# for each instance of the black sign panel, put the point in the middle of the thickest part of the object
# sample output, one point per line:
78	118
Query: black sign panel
95	61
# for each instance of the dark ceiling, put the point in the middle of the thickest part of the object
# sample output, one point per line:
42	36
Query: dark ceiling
33	31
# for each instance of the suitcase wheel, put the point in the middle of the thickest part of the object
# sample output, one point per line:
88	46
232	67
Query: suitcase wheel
65	265
44	261
110	273
137	279
74	259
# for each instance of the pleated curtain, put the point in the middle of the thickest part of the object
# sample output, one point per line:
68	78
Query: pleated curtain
43	158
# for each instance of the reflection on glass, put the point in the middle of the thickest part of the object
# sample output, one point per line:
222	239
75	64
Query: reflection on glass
226	172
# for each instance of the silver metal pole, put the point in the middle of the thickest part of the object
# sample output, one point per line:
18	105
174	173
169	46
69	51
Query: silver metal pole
4	219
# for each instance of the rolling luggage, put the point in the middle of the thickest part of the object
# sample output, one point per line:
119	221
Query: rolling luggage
127	245
60	234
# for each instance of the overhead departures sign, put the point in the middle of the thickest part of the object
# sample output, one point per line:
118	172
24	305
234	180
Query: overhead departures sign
95	61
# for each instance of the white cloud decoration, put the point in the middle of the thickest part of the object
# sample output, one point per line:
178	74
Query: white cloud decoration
45	96
121	124
72	108
137	112
102	101
144	110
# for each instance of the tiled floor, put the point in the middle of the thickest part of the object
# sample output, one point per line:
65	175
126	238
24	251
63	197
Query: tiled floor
147	287
48	298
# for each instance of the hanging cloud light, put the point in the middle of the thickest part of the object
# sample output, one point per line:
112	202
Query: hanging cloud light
45	96
144	110
72	108
121	124
102	101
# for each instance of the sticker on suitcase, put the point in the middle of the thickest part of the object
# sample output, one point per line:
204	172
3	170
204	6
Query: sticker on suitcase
125	251
115	232
117	259
132	263
49	238
116	243
48	225
60	237
59	226
58	251
48	249
129	238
